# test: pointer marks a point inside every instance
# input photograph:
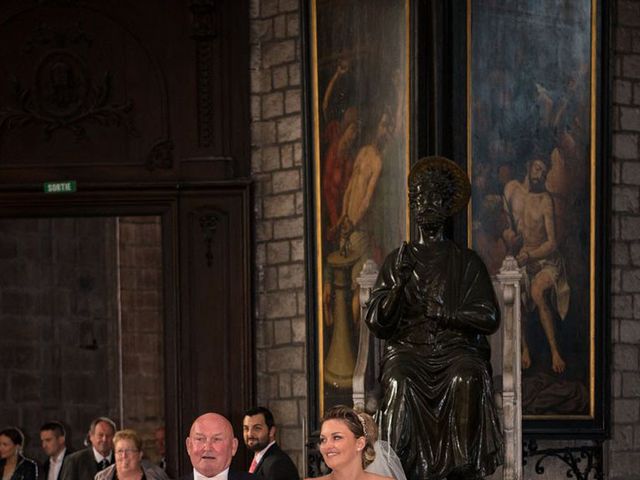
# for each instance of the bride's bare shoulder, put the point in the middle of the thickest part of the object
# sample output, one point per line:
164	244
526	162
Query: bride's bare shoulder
375	476
365	476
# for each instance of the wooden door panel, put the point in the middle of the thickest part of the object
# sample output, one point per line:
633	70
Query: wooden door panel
216	304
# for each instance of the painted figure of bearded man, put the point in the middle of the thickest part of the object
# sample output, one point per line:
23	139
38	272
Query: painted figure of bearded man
434	304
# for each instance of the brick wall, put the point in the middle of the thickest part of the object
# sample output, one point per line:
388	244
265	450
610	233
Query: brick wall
279	224
140	270
624	449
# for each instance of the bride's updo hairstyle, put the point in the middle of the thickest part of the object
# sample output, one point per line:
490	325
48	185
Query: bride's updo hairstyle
357	424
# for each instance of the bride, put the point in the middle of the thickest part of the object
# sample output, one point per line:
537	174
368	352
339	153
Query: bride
346	446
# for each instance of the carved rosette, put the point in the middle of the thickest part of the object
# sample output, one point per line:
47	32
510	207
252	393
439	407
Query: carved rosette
160	156
204	32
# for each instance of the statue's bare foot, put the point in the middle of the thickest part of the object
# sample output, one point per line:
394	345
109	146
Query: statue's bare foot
526	358
558	364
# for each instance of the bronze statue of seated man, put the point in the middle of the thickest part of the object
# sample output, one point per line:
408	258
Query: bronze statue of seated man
434	303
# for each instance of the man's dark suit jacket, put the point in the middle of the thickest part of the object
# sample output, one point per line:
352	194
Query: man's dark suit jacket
276	465
79	466
47	464
232	475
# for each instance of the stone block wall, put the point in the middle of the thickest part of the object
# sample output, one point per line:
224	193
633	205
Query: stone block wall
141	319
280	333
624	448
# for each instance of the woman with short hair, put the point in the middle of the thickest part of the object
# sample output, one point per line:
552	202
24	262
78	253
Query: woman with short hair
127	449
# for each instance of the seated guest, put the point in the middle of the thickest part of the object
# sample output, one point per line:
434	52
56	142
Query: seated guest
269	461
13	465
127	448
84	465
53	441
211	446
345	447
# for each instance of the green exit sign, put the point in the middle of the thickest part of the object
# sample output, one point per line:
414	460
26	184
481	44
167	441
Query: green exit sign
60	187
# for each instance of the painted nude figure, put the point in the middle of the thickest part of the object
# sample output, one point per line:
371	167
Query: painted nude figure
531	235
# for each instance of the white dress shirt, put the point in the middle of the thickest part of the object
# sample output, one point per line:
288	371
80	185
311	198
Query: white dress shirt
98	456
55	464
221	476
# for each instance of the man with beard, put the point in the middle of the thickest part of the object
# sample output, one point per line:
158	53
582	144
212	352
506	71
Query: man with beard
269	461
531	236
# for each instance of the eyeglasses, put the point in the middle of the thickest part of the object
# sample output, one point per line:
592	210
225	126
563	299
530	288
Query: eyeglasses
126	451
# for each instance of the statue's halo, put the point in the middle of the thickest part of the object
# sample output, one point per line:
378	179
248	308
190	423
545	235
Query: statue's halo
462	187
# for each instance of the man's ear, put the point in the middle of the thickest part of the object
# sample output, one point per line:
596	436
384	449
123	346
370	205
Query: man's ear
234	446
272	433
187	442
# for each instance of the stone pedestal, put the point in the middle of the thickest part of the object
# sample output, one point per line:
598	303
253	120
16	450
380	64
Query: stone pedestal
340	360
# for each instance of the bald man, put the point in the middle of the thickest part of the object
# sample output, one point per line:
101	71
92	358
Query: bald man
211	446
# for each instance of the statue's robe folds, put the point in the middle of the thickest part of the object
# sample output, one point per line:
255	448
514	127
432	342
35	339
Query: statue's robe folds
438	411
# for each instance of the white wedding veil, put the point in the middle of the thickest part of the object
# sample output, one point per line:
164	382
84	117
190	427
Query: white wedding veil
386	462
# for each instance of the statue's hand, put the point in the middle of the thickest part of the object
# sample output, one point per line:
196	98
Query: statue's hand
403	266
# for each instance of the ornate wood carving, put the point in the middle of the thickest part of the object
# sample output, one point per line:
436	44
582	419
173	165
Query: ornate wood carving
63	94
204	32
209	224
99	92
161	155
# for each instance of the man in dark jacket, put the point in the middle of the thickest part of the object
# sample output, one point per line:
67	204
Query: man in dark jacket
269	461
211	447
84	464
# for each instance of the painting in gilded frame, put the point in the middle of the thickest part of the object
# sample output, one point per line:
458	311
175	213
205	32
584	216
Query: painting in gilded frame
534	157
359	75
